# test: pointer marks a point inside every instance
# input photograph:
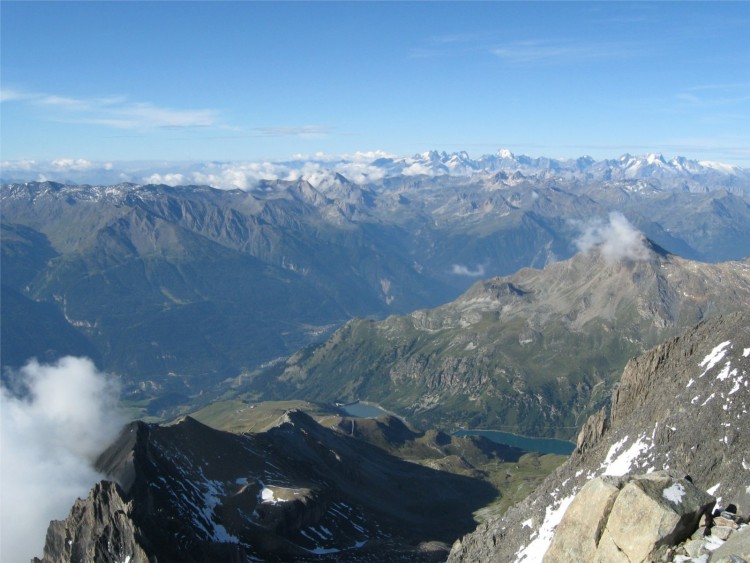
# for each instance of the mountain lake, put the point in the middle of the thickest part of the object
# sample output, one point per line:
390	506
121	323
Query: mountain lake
359	409
540	445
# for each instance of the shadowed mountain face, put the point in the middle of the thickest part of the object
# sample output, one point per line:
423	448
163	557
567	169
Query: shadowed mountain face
298	492
681	406
534	353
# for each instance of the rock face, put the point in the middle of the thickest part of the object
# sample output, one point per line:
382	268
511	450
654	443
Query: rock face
680	407
104	515
612	519
298	491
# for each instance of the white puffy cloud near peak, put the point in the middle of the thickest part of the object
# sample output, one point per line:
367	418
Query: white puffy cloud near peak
461	270
616	239
49	439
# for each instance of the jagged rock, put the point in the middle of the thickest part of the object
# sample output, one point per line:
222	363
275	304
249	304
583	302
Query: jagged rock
728	522
592	430
99	529
693	547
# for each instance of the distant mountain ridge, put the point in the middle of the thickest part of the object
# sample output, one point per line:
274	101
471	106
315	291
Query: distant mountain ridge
251	276
674	173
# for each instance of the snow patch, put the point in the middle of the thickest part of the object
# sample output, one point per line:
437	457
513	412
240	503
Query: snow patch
674	493
746	352
538	547
716	355
725	373
712	490
622	463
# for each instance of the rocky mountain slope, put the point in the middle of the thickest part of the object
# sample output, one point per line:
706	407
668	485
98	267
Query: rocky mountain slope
681	407
298	491
533	353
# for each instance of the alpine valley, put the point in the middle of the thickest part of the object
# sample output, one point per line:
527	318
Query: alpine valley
177	289
601	299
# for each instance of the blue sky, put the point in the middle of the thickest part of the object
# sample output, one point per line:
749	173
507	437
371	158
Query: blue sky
246	81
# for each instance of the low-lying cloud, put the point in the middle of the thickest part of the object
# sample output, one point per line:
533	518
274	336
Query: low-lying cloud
617	239
49	439
461	270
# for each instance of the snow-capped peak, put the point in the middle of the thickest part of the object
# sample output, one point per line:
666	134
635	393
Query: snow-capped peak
654	158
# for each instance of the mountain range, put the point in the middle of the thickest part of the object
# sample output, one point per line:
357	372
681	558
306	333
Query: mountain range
675	173
178	289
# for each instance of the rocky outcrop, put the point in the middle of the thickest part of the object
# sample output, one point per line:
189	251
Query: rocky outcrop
592	430
680	407
99	528
614	519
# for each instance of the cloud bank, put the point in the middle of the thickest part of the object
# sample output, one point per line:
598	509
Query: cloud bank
616	239
47	443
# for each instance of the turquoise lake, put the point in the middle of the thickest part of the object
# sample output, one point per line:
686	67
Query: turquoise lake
540	445
526	443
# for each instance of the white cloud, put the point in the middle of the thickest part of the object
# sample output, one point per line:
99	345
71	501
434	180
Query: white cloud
72	164
416	169
462	270
175	179
246	175
544	51
19	165
9	95
116	111
616	240
49	440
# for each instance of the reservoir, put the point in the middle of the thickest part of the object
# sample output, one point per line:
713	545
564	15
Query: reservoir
362	410
526	443
541	445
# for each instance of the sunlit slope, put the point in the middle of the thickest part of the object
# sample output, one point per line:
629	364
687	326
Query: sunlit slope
533	353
